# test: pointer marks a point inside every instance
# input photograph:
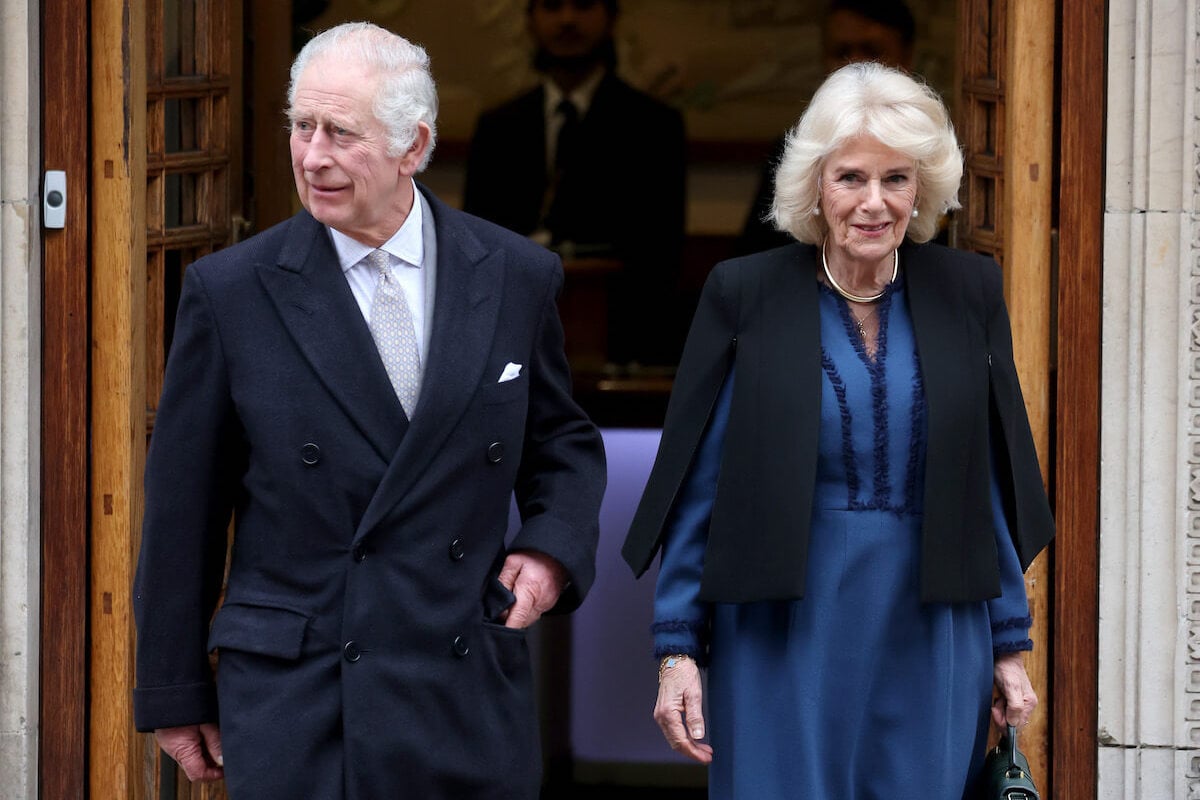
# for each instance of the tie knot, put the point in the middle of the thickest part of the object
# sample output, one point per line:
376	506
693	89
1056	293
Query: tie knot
379	262
567	110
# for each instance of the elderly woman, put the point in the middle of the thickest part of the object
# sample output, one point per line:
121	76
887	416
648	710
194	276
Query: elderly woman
847	492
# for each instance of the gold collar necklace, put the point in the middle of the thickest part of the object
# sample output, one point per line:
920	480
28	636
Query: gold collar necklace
855	298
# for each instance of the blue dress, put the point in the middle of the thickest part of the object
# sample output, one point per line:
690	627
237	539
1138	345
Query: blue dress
858	690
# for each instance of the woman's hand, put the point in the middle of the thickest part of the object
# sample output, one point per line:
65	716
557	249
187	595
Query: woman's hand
679	699
1016	699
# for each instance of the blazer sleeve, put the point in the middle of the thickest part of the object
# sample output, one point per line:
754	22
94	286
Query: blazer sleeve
562	475
707	358
1025	503
192	472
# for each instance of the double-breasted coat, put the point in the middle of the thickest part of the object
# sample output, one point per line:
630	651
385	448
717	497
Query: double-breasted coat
359	652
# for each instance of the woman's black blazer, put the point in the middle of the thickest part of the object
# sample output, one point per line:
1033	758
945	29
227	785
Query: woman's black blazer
762	310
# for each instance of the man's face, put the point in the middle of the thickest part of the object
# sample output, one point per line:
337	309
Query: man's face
851	37
570	29
344	175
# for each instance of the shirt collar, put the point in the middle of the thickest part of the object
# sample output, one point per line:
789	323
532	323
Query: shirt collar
406	244
581	97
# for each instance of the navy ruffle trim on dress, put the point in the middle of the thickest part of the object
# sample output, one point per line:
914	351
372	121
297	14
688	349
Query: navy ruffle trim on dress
1021	646
698	630
848	462
880	501
916	453
1012	623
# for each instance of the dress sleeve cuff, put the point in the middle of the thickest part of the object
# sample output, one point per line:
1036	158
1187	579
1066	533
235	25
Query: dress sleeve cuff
673	637
1011	635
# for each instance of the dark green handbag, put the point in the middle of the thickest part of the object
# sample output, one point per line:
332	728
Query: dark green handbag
1006	772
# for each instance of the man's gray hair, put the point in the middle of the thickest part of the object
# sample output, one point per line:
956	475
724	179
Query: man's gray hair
407	94
889	106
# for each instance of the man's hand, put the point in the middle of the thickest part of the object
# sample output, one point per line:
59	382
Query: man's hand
196	748
678	711
537	580
1015	699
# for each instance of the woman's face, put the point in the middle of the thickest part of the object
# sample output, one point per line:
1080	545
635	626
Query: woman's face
868	191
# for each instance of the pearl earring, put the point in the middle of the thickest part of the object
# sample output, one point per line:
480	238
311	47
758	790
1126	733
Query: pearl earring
916	213
816	212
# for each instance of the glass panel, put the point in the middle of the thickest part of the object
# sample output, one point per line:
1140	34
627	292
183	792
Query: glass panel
982	202
180	200
179	38
182	125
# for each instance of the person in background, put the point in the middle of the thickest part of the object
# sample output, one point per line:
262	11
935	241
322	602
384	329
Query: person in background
589	166
853	30
846	492
363	389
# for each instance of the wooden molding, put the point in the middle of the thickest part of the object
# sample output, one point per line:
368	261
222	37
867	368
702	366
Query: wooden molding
62	740
1028	178
118	407
1077	476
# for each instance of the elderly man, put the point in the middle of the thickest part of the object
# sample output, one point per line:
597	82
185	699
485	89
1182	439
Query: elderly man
362	388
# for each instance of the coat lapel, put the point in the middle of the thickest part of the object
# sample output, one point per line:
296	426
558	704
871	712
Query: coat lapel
319	311
466	308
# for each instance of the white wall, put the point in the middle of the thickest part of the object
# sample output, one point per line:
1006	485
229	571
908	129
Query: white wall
1149	711
20	323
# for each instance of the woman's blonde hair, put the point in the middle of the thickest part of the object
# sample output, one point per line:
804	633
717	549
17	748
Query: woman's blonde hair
889	106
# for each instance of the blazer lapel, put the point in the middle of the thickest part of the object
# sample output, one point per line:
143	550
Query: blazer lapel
319	311
466	308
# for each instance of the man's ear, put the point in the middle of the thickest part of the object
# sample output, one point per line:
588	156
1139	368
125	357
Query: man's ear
410	162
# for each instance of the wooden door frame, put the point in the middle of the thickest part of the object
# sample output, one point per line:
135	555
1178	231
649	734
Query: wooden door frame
62	744
1075	666
66	331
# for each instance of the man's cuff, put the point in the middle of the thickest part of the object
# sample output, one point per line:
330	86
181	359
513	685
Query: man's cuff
157	707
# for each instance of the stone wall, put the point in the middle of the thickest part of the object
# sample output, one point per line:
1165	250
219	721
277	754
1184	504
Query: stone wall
1149	711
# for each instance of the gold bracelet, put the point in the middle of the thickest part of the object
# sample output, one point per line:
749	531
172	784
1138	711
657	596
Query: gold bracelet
669	662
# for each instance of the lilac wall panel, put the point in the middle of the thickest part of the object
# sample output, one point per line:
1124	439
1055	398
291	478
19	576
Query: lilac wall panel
613	675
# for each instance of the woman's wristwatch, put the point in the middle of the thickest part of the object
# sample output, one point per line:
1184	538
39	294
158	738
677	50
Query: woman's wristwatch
669	662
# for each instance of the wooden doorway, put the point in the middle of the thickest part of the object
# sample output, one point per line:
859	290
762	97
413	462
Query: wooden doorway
155	179
1032	121
142	108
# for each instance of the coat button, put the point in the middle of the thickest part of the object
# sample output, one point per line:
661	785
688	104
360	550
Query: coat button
359	553
460	646
351	652
456	550
310	454
495	452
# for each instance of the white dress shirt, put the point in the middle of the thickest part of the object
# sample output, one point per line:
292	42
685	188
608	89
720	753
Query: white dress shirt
407	251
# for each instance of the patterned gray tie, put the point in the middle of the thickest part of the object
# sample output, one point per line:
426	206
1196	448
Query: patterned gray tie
395	335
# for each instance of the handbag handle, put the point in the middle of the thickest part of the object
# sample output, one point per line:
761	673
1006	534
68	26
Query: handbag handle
1011	739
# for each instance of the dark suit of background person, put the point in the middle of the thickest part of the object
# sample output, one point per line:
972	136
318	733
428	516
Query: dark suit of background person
853	30
363	651
620	192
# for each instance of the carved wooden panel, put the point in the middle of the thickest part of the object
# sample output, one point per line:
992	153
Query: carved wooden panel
193	191
980	126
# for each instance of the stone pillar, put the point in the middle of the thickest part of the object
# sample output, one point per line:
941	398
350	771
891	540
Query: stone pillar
20	324
1149	687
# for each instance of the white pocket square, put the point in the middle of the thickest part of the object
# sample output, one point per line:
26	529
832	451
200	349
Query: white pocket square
511	371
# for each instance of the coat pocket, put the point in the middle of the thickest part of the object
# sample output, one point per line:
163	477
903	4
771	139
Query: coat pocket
504	392
264	630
